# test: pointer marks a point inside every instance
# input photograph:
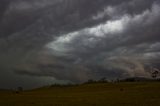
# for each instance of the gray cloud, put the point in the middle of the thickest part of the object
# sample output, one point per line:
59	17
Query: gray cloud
75	40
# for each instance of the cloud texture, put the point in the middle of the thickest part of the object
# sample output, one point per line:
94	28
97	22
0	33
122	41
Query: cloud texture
76	40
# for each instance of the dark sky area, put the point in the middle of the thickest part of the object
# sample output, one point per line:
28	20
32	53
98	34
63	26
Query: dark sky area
58	41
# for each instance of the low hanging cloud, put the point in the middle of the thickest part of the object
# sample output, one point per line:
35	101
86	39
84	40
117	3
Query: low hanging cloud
76	40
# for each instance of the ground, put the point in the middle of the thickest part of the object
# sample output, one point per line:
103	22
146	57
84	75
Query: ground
99	94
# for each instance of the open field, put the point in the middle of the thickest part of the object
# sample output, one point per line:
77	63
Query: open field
102	94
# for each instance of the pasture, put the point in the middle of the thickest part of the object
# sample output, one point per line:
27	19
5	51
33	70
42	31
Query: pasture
98	94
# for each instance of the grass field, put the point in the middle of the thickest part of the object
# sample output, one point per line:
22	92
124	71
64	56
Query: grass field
102	94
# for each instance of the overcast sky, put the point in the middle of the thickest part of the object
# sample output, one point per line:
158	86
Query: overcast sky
48	41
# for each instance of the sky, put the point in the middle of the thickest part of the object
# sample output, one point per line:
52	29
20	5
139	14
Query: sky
60	41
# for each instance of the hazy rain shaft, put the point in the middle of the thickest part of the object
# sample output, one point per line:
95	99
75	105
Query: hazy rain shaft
59	41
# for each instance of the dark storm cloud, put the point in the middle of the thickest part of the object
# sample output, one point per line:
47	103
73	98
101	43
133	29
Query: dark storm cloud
48	65
78	39
120	39
127	31
3	6
31	24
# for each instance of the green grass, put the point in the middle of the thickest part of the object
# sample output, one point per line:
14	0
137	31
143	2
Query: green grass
104	94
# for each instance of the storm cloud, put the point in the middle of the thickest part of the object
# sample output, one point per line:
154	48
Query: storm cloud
77	40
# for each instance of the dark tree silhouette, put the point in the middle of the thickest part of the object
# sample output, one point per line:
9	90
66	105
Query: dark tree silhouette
155	74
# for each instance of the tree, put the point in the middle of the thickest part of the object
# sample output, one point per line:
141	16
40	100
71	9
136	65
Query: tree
155	72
